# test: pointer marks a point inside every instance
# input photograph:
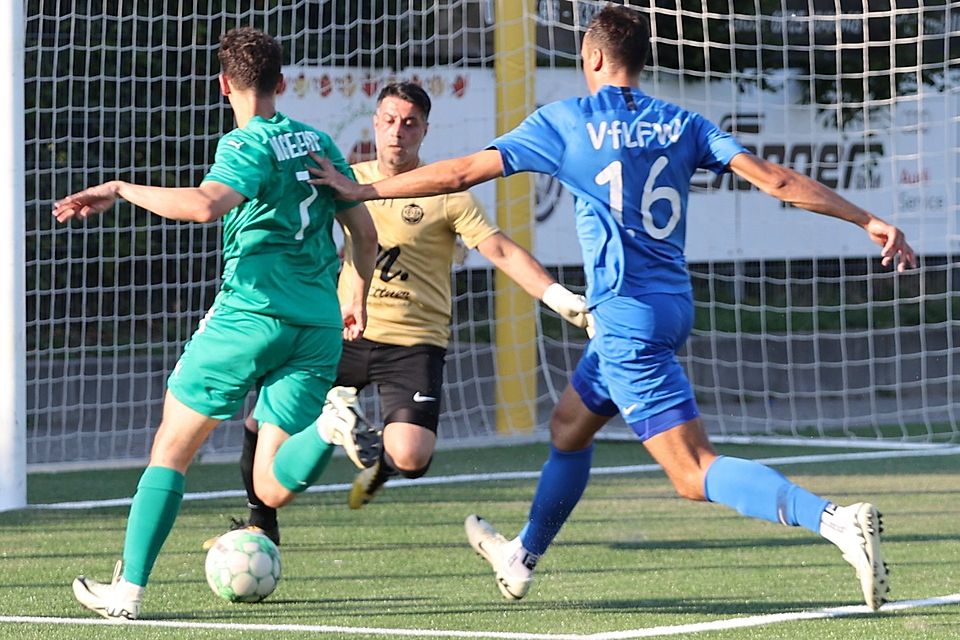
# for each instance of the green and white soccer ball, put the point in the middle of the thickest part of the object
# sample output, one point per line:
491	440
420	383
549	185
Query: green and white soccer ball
243	566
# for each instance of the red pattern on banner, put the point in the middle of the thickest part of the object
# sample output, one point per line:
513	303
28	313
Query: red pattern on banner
324	85
371	84
460	86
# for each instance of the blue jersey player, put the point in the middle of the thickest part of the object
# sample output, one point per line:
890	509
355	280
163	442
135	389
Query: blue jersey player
628	159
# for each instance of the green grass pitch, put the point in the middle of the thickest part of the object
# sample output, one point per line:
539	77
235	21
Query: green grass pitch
632	557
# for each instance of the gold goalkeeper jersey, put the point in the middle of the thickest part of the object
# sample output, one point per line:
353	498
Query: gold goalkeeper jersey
409	301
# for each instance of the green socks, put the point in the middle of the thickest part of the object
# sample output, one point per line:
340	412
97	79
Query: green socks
298	464
154	509
301	459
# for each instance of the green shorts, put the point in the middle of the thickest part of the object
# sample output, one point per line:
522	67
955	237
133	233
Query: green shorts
232	351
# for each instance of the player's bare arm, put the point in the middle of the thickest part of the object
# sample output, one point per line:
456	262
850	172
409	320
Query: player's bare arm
523	268
206	203
363	237
799	190
516	262
444	176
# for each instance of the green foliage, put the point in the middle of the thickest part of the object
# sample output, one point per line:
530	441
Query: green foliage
847	54
769	296
128	90
867	56
828	295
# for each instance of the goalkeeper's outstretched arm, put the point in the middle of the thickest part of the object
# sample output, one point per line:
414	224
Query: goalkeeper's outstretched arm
523	268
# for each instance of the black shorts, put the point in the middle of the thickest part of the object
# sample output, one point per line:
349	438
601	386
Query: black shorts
408	379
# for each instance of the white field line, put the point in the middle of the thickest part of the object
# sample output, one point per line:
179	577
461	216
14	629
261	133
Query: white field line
649	632
298	628
524	475
771	618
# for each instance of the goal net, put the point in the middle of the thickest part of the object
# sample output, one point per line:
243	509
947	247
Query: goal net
799	330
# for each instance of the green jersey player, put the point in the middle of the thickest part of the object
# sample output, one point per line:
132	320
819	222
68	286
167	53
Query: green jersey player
276	320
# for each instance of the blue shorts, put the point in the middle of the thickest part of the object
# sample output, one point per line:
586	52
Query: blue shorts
630	366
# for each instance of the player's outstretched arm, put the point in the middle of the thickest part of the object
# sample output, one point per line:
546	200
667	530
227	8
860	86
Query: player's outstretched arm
799	190
445	176
89	201
526	271
206	203
362	235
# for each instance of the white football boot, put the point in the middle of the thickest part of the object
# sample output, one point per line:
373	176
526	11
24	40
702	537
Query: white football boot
118	601
856	531
512	564
342	423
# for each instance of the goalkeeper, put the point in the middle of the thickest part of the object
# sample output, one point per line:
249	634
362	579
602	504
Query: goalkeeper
276	319
628	159
409	306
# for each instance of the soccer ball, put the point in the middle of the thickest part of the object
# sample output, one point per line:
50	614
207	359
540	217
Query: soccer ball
243	566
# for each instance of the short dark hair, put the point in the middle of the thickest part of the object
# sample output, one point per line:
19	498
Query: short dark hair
251	59
409	91
623	34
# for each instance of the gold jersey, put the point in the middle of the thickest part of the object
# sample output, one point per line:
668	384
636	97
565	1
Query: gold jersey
410	300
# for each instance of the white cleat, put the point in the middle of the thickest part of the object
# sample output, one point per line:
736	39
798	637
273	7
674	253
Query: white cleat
512	564
342	423
856	531
118	601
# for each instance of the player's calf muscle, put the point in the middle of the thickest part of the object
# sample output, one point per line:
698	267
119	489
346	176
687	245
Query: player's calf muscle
271	492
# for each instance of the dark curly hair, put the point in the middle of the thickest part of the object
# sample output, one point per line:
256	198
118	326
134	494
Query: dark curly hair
251	59
623	34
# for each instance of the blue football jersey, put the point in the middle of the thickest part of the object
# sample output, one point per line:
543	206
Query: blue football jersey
627	158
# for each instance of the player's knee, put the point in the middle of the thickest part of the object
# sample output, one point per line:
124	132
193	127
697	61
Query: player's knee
272	492
408	448
171	458
569	435
270	500
411	463
274	497
417	472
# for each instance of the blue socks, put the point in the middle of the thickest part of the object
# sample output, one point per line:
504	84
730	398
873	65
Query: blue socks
753	489
562	481
758	491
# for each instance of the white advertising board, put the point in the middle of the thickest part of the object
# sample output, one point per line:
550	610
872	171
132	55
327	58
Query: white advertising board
899	161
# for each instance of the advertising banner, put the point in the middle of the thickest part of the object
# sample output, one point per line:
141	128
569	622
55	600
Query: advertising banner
896	160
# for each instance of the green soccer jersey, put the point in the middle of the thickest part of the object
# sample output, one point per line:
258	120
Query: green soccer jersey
279	256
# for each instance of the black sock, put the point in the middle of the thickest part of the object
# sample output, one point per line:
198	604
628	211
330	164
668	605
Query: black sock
388	469
260	514
385	471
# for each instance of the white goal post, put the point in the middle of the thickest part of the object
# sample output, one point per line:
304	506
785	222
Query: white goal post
13	429
800	333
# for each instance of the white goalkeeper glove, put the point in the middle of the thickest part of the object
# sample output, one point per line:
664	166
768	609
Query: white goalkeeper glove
570	306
